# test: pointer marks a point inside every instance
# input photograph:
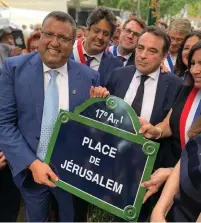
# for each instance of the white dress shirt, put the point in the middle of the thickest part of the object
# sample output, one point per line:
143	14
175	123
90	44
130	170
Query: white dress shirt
95	63
149	92
62	83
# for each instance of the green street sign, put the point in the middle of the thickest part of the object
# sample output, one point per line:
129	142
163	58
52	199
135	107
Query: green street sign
100	157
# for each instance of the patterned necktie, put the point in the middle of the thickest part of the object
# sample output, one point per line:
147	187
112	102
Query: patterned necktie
137	103
88	59
50	112
122	58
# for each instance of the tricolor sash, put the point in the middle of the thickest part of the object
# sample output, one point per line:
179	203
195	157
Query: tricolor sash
78	54
113	50
171	66
190	112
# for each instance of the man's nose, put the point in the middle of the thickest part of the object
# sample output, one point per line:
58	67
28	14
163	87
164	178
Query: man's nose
54	41
143	54
100	35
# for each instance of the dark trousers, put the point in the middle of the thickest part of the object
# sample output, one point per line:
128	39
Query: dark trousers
9	197
80	209
37	199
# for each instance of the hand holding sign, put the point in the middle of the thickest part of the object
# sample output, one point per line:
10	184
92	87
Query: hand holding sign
42	172
98	92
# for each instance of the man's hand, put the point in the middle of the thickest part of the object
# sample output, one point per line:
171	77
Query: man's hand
158	178
16	51
164	69
42	173
98	92
3	161
148	130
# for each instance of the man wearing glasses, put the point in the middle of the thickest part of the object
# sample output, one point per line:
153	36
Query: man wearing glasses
33	88
131	31
92	52
177	31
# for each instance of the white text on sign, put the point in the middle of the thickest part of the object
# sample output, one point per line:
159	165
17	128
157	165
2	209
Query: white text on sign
108	116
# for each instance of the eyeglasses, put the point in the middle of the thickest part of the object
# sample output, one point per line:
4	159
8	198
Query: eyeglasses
177	40
60	38
129	31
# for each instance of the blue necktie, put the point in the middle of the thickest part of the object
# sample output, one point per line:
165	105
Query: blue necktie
89	59
50	112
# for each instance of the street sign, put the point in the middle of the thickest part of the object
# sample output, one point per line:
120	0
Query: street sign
99	156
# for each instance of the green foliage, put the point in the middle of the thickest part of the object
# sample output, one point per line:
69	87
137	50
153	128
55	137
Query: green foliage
194	9
171	7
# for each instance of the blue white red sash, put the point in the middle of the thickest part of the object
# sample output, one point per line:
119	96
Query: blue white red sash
78	54
113	50
171	66
190	112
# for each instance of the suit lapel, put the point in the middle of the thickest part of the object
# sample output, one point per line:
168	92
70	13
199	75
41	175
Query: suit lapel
104	64
75	84
161	90
131	59
126	82
36	82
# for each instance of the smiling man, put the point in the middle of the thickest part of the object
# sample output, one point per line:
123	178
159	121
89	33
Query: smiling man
92	52
130	33
33	87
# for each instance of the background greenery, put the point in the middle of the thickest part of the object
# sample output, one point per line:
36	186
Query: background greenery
167	7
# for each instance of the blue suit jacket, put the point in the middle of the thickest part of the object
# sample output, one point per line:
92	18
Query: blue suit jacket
21	106
107	65
169	85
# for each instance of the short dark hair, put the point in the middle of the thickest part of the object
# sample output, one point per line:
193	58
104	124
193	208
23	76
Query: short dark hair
180	67
138	20
100	13
63	17
156	31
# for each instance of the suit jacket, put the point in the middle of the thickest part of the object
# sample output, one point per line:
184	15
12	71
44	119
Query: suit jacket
21	106
131	60
169	85
113	49
107	65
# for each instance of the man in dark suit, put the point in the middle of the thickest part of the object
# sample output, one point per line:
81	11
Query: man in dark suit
33	87
131	30
160	89
149	91
101	24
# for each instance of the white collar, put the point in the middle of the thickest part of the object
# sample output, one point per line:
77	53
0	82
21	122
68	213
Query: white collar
154	75
62	70
125	56
97	56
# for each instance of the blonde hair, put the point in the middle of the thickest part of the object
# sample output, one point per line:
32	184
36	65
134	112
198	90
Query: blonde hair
182	26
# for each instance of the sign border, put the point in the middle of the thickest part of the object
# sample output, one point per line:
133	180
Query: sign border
150	149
